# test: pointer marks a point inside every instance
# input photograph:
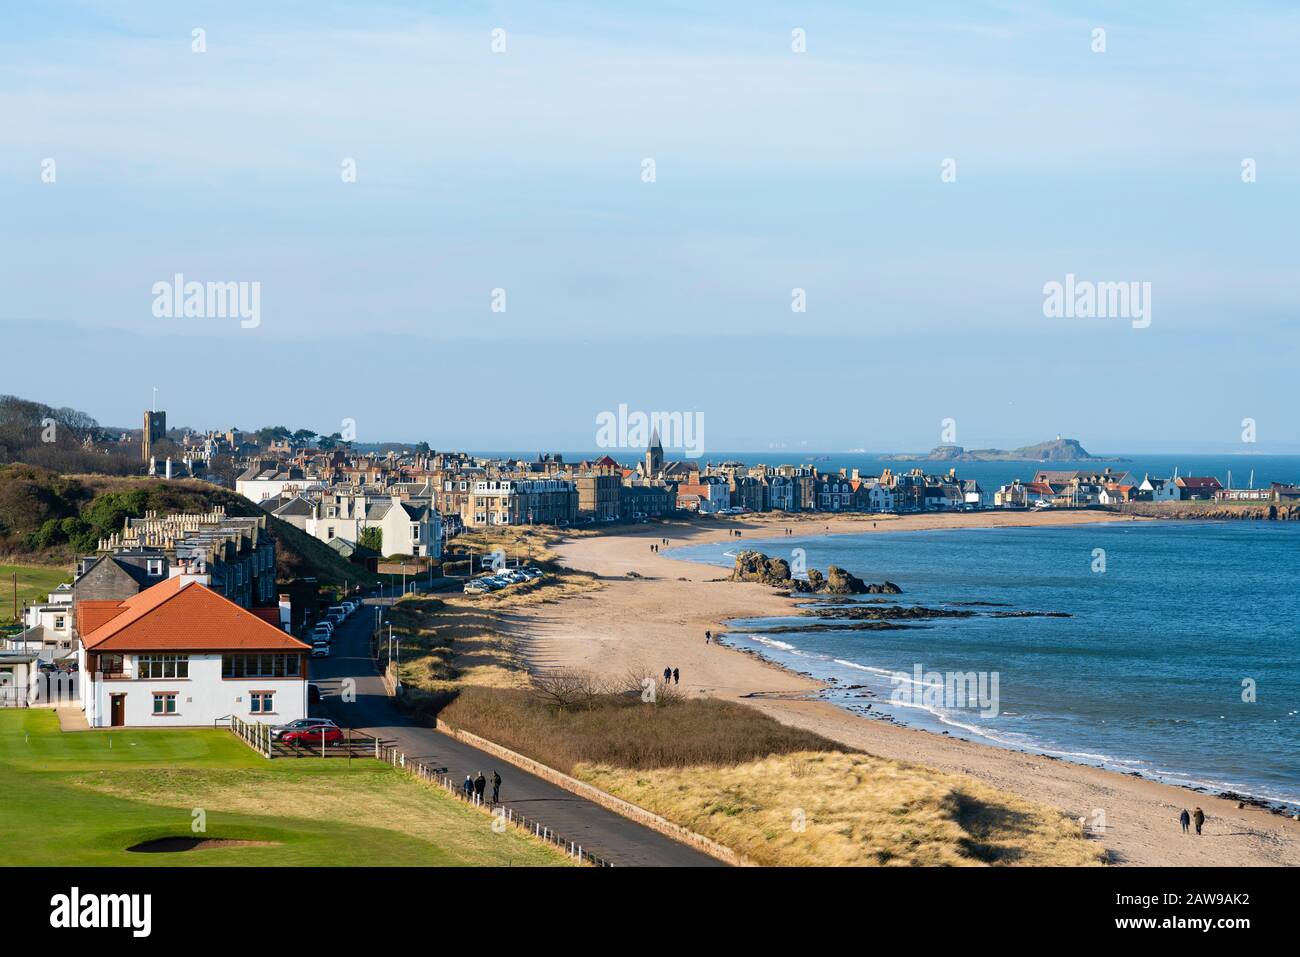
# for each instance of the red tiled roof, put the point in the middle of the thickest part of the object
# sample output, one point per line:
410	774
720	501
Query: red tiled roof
1194	481
92	614
172	616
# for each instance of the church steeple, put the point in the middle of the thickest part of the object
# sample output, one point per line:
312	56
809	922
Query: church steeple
654	455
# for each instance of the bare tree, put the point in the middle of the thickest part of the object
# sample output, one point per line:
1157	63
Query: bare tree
569	688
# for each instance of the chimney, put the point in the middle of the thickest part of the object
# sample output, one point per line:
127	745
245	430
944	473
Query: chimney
286	613
168	466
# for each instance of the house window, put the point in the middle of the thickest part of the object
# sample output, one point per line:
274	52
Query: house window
58	622
164	703
162	666
329	532
415	533
154	567
260	666
261	702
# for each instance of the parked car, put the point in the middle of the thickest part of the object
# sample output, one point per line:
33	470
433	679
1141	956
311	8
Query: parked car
320	649
315	733
326	623
351	605
322	634
337	611
299	725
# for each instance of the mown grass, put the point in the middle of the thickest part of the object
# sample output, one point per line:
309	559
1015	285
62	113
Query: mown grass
35	582
82	798
776	794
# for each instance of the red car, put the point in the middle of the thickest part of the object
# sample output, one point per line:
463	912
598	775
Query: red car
313	735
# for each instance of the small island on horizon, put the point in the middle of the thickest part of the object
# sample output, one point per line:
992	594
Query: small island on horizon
1055	450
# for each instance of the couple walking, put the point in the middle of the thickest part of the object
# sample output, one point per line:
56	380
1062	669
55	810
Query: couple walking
474	787
671	676
1198	816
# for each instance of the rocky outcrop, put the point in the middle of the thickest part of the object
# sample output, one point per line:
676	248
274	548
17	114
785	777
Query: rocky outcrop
752	566
756	567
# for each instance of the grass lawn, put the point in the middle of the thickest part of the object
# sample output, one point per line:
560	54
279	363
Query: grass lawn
82	798
35	582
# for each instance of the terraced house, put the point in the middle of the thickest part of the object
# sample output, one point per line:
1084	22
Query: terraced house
521	502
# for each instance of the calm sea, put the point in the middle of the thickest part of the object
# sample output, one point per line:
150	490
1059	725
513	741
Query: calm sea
1146	675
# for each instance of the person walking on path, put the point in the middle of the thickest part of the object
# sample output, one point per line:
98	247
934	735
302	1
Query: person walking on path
480	783
677	675
496	787
469	786
1185	820
1199	817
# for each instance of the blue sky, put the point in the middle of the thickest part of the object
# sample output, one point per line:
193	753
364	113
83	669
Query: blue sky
522	170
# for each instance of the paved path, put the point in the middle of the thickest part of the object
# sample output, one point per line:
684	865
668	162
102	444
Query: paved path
598	830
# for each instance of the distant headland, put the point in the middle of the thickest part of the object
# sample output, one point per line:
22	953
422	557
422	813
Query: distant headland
1055	450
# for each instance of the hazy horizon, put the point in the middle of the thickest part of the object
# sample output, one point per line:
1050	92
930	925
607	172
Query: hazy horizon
514	174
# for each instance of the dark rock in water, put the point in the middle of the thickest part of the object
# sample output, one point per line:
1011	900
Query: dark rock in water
887	612
1030	614
752	566
884	588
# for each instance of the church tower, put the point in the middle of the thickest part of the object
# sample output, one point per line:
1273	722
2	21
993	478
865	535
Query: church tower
654	456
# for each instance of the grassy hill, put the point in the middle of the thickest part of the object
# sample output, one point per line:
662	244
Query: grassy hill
82	798
47	518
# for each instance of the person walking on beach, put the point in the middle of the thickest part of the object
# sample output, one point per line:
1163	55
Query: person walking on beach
480	783
677	675
469	786
708	637
668	676
496	787
1199	817
1185	820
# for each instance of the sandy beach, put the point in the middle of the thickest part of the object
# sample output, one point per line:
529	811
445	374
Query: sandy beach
644	623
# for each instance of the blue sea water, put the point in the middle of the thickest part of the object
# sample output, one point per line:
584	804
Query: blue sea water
1146	675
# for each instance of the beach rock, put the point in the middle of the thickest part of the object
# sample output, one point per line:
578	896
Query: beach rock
753	566
884	588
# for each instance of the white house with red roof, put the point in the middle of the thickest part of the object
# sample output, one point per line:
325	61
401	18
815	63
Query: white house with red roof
179	654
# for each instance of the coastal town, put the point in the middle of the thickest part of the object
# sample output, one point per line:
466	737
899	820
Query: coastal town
405	507
332	491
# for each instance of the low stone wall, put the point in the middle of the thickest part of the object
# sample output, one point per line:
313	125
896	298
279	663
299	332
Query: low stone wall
1214	511
606	800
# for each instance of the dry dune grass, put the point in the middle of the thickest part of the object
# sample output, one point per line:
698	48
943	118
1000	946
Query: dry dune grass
621	730
848	809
